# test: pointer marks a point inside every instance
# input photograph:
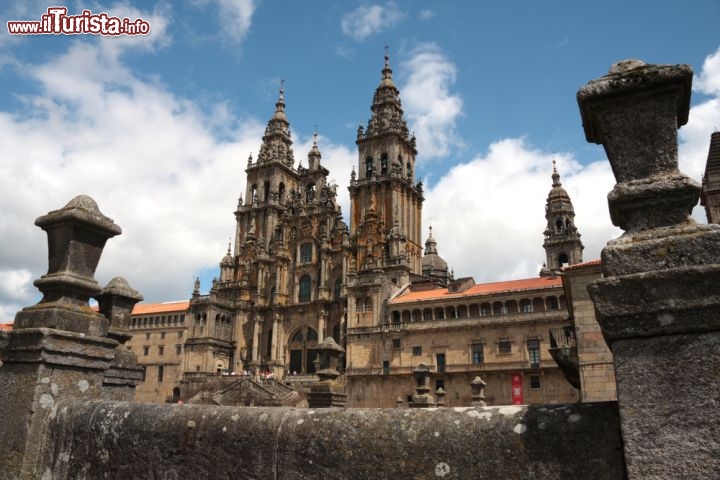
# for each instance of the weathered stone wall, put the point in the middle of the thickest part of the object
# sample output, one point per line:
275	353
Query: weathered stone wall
122	440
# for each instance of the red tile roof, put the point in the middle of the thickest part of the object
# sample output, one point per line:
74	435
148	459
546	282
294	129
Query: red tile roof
582	265
148	308
6	326
480	289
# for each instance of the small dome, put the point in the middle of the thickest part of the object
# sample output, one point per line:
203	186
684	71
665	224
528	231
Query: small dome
433	265
227	259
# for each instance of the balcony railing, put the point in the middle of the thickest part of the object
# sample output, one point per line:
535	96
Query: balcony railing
520	317
519	365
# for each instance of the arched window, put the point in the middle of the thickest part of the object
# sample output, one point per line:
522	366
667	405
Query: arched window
526	306
305	287
281	193
302	353
552	303
384	163
368	166
336	333
253	193
266	191
310	192
338	289
563	259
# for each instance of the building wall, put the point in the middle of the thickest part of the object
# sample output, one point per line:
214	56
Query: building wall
160	348
597	374
381	359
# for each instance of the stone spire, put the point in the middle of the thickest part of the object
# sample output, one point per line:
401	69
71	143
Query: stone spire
710	196
314	154
562	241
387	112
276	142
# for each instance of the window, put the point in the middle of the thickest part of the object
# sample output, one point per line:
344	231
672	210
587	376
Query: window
182	319
386	367
146	350
552	303
161	349
417	351
147	336
305	286
439	383
440	359
384	163
368	166
478	354
504	346
161	372
533	346
178	349
526	306
534	381
396	343
306	253
427	315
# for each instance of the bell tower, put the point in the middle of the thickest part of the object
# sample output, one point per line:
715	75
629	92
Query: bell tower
386	203
562	240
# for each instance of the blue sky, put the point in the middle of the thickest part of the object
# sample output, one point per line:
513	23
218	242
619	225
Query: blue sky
158	128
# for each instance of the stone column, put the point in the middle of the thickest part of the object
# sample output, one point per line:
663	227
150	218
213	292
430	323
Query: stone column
274	339
321	325
58	349
116	302
256	343
658	305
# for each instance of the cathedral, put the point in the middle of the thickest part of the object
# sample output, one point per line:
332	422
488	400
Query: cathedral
296	273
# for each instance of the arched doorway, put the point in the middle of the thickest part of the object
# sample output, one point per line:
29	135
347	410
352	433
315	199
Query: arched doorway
302	353
176	394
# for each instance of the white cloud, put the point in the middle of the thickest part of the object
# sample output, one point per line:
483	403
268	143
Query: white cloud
708	82
703	120
16	292
234	16
154	162
488	215
429	104
369	19
426	14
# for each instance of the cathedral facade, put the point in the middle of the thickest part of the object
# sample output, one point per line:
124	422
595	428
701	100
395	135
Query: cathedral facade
297	273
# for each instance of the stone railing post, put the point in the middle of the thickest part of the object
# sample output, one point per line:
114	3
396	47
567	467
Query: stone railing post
116	302
58	348
422	398
659	302
328	392
478	392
